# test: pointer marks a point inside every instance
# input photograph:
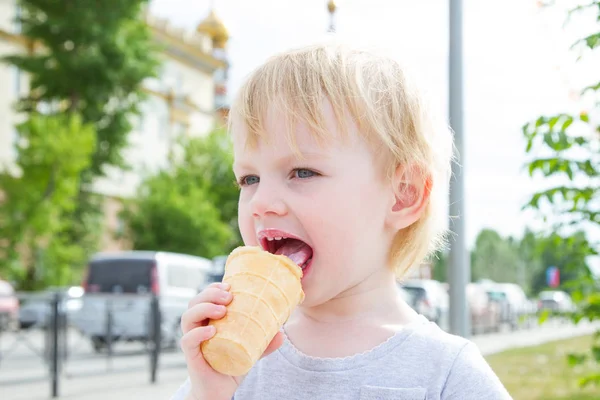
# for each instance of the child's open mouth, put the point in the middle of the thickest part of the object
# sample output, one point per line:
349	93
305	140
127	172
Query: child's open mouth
294	249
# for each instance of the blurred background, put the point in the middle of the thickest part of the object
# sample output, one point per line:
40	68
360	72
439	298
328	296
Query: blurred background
117	202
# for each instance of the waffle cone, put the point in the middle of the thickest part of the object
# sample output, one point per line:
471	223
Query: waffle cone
266	288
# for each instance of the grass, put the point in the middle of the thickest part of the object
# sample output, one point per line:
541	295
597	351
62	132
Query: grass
542	372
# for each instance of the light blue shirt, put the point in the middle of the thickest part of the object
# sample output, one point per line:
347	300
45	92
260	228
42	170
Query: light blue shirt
421	362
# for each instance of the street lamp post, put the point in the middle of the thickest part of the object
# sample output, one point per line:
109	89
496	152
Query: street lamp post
459	270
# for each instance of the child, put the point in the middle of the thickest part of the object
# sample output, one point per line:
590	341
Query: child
334	147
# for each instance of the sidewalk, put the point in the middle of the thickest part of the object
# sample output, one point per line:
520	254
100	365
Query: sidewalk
549	332
124	385
130	378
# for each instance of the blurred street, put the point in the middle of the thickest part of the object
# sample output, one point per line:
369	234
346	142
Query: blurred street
91	376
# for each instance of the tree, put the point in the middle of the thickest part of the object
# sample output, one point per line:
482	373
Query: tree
170	214
494	257
208	163
52	152
568	254
89	59
440	266
92	59
192	206
570	148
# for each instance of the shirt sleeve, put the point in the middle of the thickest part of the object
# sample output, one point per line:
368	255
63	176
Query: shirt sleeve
183	391
472	378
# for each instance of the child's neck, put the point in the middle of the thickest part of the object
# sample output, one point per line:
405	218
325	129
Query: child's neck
353	322
364	301
376	298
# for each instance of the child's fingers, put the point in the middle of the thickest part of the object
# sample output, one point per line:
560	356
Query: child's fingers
274	345
190	342
217	294
199	314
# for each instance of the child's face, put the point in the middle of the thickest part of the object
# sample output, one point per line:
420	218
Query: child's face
336	200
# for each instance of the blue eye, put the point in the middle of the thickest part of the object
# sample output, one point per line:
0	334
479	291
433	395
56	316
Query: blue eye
303	173
249	180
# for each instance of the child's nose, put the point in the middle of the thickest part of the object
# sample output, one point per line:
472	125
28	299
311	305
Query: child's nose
267	200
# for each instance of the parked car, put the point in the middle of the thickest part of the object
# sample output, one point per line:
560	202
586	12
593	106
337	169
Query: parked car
121	284
484	312
513	303
518	303
556	301
9	306
217	271
430	300
407	296
36	311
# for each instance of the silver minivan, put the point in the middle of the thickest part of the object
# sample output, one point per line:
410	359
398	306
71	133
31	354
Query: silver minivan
119	288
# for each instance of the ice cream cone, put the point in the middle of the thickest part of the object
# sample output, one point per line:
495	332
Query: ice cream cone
266	288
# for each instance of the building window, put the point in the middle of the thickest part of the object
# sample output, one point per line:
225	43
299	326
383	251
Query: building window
171	79
14	143
17	81
179	130
17	22
163	125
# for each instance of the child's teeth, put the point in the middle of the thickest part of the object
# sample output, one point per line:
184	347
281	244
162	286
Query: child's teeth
270	239
278	238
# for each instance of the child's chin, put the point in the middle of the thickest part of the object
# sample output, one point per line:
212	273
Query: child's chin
312	298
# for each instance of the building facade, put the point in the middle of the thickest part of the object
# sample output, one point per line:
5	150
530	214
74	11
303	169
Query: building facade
186	99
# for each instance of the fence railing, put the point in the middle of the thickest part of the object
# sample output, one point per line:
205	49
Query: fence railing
55	335
53	327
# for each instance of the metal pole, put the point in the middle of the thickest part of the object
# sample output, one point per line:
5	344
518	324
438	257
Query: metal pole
459	260
54	343
109	333
156	336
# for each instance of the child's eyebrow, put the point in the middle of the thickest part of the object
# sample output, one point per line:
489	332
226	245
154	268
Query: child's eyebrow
288	159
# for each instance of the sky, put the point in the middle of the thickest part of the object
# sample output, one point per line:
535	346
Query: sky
516	66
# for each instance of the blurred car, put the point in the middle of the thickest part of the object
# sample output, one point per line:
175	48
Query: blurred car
36	311
406	296
9	306
485	313
513	303
430	300
120	285
556	301
519	303
216	272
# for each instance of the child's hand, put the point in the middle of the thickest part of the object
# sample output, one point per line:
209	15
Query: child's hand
206	383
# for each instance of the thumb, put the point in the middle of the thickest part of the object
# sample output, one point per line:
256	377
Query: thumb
274	345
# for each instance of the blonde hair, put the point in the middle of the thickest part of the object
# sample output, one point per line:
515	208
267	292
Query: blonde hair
386	107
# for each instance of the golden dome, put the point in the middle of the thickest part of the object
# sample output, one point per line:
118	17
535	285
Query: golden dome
215	29
331	6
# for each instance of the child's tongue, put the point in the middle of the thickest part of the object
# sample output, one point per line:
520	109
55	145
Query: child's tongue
296	250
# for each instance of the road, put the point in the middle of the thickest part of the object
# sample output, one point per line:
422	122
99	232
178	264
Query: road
126	376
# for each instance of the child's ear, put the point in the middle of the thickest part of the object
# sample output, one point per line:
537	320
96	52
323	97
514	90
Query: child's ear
410	195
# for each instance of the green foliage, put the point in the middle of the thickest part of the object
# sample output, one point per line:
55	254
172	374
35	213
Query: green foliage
92	59
571	143
191	207
207	162
566	252
89	59
524	260
170	216
52	152
440	266
495	258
